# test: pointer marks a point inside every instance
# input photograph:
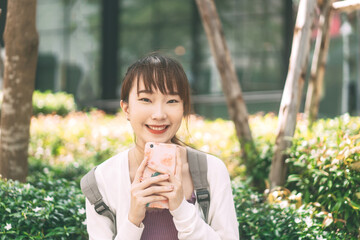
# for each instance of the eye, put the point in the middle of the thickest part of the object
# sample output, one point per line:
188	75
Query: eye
173	101
144	100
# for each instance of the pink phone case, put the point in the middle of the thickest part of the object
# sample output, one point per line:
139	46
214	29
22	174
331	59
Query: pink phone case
161	159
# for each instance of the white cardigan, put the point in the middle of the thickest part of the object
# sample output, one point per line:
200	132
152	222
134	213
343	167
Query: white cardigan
114	183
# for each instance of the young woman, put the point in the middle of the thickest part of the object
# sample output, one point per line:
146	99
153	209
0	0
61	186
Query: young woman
155	97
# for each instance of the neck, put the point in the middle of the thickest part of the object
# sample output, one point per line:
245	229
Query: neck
138	154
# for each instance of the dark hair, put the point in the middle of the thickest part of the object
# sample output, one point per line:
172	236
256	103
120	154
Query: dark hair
158	73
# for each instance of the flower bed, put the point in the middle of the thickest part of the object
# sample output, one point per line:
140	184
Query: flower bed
321	199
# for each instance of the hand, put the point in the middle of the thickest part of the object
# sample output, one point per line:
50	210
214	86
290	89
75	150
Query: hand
176	196
144	192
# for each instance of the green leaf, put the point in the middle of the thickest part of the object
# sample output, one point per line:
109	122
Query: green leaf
353	204
337	206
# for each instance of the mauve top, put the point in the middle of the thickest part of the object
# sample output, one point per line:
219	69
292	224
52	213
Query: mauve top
159	224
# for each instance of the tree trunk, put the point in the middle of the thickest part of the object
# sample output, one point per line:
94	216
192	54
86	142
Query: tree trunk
229	80
346	6
293	88
318	63
21	46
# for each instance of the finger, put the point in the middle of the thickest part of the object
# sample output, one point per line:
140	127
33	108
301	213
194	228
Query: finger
178	168
153	198
140	170
153	180
161	169
164	183
156	190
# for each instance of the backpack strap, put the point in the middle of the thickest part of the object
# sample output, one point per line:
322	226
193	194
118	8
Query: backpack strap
90	189
198	169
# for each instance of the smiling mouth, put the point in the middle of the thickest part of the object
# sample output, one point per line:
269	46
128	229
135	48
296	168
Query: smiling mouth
157	129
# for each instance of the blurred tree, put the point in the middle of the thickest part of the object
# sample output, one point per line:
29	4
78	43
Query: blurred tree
229	80
21	46
315	87
290	101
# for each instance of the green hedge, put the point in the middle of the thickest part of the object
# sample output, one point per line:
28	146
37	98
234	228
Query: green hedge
43	209
48	208
324	168
281	218
59	103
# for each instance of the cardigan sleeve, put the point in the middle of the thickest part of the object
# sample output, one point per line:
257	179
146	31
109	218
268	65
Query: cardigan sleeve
223	223
101	227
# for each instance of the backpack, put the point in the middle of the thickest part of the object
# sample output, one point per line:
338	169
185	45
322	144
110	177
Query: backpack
198	170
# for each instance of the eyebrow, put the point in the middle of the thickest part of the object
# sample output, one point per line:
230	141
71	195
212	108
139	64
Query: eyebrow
150	92
144	91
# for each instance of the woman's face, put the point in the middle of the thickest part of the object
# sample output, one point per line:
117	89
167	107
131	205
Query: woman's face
154	117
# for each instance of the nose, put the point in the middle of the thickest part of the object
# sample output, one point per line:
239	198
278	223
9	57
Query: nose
159	112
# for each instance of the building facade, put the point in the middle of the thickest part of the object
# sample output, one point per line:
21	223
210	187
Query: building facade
86	46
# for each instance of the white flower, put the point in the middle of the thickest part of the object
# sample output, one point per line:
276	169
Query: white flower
81	211
207	137
254	197
46	170
292	197
205	148
8	226
275	194
297	220
308	221
104	131
76	164
198	135
320	238
27	186
333	168
84	222
255	210
284	204
48	198
37	209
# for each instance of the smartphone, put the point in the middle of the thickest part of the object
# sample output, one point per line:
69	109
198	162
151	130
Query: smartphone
161	159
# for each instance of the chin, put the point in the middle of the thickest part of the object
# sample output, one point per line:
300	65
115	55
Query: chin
160	140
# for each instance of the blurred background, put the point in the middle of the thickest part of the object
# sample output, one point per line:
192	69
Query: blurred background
86	46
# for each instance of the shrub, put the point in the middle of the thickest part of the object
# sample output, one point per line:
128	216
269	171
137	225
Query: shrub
78	140
59	103
281	218
70	172
43	209
323	167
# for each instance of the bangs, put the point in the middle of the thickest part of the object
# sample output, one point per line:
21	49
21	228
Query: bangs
162	74
160	79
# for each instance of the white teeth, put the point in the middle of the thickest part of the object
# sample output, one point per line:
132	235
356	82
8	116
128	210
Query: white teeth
157	128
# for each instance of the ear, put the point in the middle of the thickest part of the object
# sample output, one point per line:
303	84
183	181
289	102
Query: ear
125	107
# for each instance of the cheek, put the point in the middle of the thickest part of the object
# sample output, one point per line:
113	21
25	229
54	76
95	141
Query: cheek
178	114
